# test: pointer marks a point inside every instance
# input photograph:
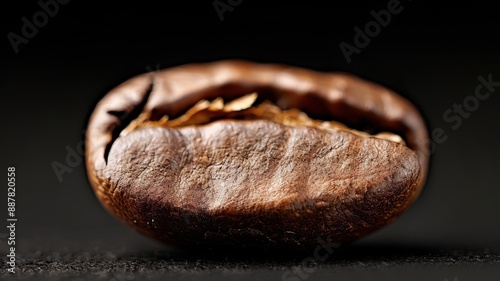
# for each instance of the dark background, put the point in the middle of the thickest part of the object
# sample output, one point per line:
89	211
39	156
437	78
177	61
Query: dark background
431	53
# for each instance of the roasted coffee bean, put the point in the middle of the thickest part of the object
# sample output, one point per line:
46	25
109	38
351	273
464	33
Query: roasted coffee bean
240	153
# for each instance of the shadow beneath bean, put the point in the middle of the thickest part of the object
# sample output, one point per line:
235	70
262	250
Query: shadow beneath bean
353	255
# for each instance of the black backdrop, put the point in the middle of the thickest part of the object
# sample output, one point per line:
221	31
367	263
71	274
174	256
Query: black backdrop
431	53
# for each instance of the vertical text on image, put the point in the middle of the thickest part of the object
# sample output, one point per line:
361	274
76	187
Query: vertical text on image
11	219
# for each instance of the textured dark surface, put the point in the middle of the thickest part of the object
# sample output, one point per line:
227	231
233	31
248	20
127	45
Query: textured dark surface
388	262
116	253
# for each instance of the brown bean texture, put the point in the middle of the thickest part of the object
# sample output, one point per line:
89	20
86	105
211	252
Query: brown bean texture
273	174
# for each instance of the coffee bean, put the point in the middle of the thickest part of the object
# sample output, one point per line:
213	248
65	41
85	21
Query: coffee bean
196	160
